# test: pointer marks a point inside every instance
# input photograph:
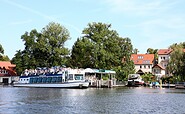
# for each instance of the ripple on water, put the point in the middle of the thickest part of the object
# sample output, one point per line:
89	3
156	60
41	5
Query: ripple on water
92	100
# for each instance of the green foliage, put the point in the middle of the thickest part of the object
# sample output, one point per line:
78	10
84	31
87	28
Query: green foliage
43	49
169	79
105	77
2	56
153	51
102	48
177	60
135	51
1	49
148	78
18	60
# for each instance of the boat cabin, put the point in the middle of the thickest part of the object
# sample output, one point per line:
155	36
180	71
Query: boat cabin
66	75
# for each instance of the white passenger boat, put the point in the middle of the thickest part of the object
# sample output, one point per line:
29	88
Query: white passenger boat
73	78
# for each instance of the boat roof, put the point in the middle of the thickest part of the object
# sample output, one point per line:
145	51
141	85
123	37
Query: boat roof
47	75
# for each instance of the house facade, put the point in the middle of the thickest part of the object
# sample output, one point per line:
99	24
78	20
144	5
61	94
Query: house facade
158	71
143	63
164	57
7	72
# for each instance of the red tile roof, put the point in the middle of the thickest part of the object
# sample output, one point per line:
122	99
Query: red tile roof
9	68
142	58
158	65
164	51
6	64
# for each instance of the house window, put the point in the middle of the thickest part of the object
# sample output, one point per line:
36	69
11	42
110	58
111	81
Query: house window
161	57
148	66
164	58
140	66
140	57
144	66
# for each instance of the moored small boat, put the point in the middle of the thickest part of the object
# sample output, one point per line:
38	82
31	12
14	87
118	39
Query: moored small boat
135	80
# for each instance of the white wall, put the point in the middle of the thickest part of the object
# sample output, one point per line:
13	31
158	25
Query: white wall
163	58
144	68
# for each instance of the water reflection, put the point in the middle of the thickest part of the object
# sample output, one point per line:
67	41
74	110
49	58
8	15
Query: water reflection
91	100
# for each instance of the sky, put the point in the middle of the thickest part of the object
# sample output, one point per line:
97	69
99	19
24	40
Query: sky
148	23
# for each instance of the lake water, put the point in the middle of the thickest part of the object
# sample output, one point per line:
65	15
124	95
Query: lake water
139	100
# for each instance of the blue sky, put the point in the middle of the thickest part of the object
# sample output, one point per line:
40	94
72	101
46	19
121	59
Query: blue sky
148	23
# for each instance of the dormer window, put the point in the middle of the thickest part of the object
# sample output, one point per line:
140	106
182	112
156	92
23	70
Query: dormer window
140	57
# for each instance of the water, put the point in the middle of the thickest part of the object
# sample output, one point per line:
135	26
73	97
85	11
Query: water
124	100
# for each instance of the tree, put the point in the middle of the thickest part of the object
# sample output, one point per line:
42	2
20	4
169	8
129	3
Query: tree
82	54
2	56
153	51
1	49
102	48
17	59
177	60
43	49
135	51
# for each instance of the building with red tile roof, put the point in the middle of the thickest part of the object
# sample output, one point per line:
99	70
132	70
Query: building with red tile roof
163	59
164	51
7	72
143	62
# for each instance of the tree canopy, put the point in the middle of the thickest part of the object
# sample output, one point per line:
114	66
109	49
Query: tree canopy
102	48
2	56
177	60
1	49
153	51
43	49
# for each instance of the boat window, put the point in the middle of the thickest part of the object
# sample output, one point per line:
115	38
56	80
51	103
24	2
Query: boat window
44	79
78	77
39	80
31	80
59	79
34	80
70	77
54	79
49	79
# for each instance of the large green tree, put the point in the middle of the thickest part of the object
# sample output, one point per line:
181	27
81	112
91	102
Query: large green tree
43	49
102	48
176	64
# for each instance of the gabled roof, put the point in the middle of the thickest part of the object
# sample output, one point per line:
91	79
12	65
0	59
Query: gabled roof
6	64
164	51
158	65
9	68
142	58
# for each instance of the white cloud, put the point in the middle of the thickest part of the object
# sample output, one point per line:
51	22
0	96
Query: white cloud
151	23
21	22
45	16
139	7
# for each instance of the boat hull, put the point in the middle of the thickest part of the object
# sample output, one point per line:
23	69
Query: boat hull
55	85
